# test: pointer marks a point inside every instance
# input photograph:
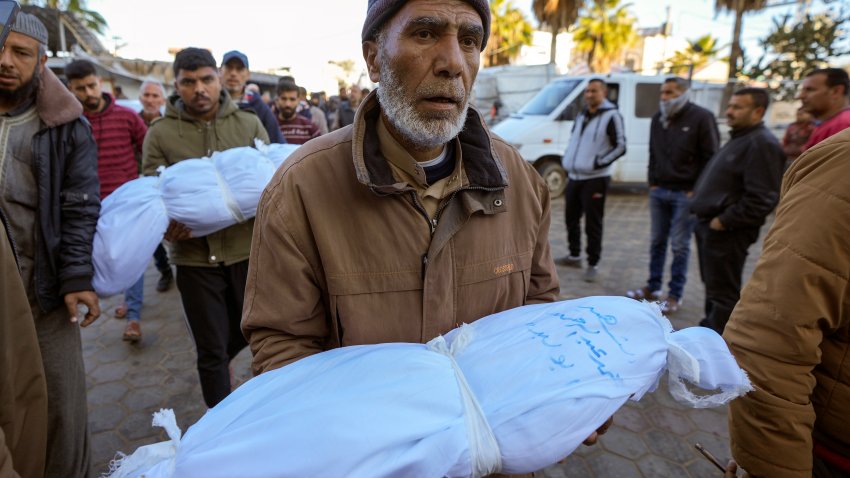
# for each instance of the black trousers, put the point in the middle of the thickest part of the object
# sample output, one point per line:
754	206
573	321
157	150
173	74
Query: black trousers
721	263
586	197
212	298
160	258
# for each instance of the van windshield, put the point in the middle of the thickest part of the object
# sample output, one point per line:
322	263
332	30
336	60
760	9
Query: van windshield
549	97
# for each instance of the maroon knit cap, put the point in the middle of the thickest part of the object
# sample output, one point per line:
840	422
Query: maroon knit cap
379	11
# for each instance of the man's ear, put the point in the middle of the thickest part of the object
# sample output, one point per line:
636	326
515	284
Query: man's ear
371	53
42	62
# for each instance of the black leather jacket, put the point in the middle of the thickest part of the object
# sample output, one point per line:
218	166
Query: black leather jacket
65	168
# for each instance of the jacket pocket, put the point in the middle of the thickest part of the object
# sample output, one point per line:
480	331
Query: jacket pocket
375	307
493	285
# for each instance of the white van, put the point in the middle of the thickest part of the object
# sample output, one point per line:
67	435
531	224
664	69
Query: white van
541	129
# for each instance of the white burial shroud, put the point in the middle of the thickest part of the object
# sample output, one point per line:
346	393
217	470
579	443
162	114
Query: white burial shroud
205	194
513	392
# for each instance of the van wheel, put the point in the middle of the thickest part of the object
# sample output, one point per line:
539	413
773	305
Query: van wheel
555	177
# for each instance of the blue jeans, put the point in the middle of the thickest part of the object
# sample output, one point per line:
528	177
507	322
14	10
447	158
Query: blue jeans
671	222
133	297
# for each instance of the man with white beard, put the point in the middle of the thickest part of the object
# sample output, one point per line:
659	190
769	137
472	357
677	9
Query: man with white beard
410	221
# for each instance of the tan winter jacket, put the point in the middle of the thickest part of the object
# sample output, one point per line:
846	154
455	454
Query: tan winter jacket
23	391
343	253
791	329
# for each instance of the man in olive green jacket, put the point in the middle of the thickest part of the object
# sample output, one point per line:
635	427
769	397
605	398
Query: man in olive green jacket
211	271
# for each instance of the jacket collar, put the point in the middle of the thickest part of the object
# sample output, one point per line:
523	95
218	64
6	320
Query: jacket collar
605	106
482	165
737	133
54	104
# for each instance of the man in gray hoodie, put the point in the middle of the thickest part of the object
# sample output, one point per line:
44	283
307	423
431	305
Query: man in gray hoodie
597	140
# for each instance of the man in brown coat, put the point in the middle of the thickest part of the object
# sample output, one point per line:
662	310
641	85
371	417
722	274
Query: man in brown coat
791	329
410	221
23	392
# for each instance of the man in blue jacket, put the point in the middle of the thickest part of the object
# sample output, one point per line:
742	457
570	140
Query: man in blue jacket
597	141
234	75
734	195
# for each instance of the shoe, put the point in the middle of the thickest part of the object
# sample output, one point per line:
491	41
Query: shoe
569	261
120	311
644	294
165	280
591	273
133	332
670	306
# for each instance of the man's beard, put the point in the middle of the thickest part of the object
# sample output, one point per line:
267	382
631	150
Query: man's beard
421	132
287	113
21	93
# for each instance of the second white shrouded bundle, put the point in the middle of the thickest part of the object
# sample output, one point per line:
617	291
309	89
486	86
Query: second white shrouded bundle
205	194
542	377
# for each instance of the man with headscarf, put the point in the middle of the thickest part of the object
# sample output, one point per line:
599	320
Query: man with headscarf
682	139
50	193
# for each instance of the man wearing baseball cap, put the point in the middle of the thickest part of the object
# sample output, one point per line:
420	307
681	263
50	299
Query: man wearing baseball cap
234	75
50	193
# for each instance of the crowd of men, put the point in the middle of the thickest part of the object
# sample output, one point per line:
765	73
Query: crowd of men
429	214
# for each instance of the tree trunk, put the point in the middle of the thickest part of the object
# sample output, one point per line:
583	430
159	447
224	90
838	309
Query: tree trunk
590	55
734	55
553	47
736	40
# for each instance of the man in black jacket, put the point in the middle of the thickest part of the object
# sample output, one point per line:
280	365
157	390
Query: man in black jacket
50	192
682	139
739	188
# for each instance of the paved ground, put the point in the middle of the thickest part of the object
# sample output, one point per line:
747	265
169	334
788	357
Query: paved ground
651	438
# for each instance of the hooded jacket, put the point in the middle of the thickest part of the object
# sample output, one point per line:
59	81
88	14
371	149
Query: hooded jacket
119	133
178	136
791	329
597	140
65	157
23	391
344	253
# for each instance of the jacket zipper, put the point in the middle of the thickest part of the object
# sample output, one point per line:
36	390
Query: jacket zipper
432	222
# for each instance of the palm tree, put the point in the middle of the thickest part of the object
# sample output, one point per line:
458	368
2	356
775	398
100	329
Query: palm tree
696	54
90	18
738	7
557	15
604	30
509	31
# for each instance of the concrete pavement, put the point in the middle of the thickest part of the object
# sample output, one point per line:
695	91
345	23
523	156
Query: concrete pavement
651	438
